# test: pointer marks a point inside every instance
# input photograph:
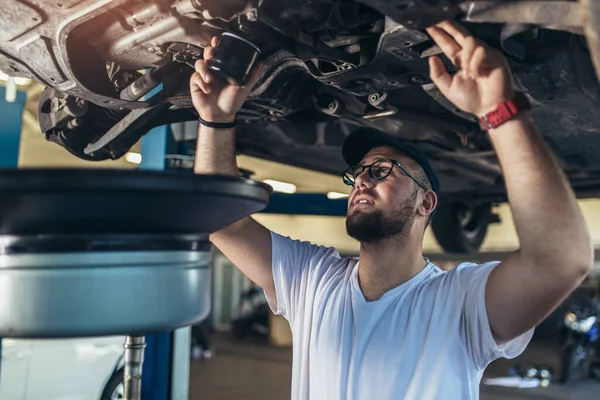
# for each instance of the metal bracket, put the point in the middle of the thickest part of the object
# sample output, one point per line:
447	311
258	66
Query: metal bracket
134	119
559	15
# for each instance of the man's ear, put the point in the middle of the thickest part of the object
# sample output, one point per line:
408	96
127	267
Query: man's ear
428	204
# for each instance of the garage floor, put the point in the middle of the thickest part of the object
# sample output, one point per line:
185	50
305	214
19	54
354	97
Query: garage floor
250	371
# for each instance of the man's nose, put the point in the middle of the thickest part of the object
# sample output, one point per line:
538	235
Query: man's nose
364	180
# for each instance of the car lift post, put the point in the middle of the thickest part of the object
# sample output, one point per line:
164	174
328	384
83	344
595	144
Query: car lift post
11	115
167	355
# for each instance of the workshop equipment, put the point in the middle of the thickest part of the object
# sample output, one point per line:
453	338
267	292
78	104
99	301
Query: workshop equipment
106	252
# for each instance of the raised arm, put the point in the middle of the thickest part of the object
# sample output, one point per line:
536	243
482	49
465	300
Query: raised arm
555	251
246	243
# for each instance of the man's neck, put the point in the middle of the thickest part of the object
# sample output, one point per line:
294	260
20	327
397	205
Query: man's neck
388	264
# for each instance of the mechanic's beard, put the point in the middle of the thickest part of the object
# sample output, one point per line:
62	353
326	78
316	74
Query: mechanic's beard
374	227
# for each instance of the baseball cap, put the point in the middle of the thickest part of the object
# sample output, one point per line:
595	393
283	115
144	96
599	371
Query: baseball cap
360	141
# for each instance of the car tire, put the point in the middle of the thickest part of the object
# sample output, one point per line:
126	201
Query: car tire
114	388
461	227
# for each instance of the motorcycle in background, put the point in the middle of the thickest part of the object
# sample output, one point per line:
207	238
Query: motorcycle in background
580	336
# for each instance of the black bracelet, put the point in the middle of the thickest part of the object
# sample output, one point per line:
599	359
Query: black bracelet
218	125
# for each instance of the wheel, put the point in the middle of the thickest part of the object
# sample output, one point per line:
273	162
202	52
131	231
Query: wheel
114	389
460	227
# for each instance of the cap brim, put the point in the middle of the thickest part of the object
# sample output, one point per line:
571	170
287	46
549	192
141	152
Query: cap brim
361	141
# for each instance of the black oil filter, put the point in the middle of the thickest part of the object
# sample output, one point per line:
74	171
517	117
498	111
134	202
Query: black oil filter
234	59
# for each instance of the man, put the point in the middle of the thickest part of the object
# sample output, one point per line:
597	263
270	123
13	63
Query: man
392	325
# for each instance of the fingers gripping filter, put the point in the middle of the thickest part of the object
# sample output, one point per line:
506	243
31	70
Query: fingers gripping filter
359	142
234	59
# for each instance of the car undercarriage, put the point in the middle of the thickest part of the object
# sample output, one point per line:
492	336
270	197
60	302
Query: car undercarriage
116	68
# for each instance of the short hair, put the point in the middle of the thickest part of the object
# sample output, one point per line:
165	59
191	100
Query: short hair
415	169
419	173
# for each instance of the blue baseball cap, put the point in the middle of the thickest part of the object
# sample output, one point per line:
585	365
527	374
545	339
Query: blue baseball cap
359	142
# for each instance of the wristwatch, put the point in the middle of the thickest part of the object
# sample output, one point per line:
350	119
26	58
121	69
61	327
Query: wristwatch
505	111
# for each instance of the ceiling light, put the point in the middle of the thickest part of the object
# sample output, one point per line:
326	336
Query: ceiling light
22	81
282	187
134	158
10	92
18	81
336	195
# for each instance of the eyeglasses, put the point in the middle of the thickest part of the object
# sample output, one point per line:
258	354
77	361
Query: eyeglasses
379	170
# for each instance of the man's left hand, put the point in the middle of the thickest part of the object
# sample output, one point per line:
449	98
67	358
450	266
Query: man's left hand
483	79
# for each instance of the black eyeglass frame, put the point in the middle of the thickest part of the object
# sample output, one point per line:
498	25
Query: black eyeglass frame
350	181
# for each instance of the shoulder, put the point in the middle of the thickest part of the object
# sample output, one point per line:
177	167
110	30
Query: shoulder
285	243
315	256
461	277
444	293
465	281
468	271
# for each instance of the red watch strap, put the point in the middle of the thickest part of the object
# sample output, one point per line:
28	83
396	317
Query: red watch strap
505	111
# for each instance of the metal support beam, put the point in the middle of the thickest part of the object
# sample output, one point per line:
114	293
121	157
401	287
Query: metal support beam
156	380
180	373
167	357
561	15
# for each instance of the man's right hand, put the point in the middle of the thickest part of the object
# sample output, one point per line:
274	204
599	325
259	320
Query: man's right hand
215	99
246	243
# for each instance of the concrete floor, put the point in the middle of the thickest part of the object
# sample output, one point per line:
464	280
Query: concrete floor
252	371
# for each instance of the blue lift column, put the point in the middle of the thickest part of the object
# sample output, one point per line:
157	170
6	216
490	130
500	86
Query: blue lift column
156	381
11	115
166	368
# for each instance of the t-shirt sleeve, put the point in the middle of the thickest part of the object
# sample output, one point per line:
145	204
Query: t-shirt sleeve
297	266
475	326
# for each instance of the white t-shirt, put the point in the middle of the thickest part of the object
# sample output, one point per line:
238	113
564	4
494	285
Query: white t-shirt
426	339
